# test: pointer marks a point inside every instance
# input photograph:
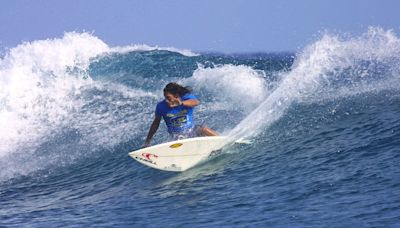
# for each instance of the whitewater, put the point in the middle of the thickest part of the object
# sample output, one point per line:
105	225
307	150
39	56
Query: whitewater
324	125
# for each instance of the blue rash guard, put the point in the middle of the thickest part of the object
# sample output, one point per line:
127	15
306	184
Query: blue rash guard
179	119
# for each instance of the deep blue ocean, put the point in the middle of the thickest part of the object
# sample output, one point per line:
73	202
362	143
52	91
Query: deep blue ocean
323	121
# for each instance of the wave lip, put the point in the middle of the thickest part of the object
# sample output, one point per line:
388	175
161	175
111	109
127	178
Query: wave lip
144	47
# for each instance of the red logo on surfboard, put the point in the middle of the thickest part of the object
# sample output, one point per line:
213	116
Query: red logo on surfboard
148	155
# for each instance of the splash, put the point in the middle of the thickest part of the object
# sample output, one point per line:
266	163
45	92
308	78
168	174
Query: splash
330	68
33	81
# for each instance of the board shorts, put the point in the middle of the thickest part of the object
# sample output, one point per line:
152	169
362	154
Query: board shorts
191	133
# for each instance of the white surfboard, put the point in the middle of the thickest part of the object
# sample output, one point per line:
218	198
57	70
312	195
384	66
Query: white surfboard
180	155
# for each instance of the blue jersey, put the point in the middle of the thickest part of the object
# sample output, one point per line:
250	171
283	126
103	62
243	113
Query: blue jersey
178	119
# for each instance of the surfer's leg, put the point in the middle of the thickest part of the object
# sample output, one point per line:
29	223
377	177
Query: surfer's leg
205	131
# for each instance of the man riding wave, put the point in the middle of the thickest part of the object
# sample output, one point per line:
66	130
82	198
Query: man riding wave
177	111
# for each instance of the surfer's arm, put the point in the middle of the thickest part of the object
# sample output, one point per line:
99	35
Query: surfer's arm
153	129
190	103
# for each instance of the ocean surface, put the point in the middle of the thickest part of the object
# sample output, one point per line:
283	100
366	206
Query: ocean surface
324	126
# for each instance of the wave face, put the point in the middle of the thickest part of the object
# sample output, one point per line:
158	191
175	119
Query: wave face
324	125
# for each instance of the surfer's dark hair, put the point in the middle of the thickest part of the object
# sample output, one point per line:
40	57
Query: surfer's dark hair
176	89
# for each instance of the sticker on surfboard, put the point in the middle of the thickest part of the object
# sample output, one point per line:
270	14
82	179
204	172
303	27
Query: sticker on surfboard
175	145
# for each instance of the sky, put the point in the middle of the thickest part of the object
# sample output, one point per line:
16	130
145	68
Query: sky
229	26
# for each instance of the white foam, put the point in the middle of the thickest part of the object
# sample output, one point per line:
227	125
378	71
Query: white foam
229	86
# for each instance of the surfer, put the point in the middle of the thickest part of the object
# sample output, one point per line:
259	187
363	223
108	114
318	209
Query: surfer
177	111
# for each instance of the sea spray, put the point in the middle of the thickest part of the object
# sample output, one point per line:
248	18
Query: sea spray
328	69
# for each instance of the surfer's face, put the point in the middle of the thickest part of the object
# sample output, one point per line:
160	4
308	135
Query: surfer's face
171	99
